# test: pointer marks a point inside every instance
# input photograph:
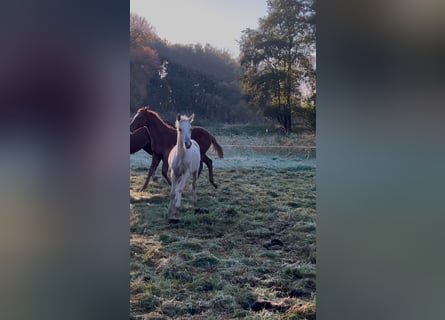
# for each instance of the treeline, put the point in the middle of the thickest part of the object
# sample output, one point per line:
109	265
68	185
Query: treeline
274	77
183	78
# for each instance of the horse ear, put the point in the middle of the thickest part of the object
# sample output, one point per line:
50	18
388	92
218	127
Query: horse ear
192	117
178	117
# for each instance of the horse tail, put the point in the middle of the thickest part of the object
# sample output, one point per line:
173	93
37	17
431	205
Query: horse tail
217	148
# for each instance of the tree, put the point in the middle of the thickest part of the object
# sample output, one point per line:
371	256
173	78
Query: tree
200	79
274	58
140	31
144	61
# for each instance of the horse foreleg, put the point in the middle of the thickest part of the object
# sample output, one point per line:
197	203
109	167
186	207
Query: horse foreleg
209	164
154	164
180	187
173	193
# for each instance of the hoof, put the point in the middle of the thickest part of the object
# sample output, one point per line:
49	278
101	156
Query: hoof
173	220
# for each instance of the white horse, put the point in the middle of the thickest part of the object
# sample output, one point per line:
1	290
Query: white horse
184	160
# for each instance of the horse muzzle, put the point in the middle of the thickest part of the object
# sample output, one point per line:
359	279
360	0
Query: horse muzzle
188	144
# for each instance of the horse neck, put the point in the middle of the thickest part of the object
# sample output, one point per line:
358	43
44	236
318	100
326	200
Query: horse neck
158	130
179	145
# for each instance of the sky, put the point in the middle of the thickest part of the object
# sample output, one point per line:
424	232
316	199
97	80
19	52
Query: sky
217	22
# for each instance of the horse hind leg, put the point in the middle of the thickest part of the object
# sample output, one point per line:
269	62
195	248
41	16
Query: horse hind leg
200	166
165	170
209	164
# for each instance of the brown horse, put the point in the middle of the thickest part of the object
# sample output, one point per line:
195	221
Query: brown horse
140	139
163	137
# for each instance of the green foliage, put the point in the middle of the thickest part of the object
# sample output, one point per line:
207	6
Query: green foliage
308	115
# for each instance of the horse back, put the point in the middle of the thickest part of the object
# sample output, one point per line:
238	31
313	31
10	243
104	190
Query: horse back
202	137
205	139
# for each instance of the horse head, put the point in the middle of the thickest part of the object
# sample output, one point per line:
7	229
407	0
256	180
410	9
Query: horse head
184	128
139	119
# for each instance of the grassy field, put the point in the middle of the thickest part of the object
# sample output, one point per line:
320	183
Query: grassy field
252	256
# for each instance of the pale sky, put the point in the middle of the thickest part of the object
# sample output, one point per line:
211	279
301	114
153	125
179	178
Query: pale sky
217	22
